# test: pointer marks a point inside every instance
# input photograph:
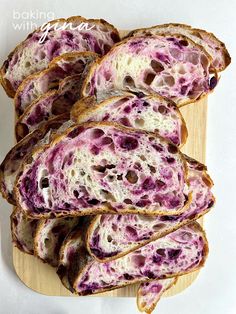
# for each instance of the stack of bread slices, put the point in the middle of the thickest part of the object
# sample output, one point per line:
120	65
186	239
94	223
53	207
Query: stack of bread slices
100	188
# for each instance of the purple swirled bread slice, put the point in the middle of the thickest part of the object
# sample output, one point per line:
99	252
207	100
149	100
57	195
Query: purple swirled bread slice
104	168
31	56
23	230
170	65
149	293
112	236
49	106
38	84
49	236
215	48
151	113
178	253
13	161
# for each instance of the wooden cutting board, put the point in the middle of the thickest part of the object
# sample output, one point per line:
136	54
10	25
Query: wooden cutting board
42	278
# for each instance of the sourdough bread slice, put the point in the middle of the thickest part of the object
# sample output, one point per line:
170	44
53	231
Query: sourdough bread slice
112	236
23	230
49	106
38	84
104	168
31	56
50	234
70	254
215	48
170	65
151	113
178	253
13	161
149	293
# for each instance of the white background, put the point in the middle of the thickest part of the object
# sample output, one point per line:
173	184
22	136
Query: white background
214	292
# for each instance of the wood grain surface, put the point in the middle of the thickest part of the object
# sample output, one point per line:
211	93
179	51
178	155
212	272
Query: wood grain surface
42	278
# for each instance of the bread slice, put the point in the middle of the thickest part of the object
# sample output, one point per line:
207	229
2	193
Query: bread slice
69	255
31	56
112	236
23	230
149	293
170	65
13	161
38	84
49	106
50	234
104	168
151	113
215	48
176	254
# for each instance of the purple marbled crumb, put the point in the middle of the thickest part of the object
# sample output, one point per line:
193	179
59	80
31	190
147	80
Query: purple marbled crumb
136	43
28	188
163	57
75	132
127	109
156	288
128	142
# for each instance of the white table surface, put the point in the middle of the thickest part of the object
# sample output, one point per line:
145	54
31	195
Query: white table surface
214	292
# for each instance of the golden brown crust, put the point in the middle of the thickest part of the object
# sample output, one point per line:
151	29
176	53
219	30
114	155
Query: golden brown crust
82	105
141	307
107	208
194	31
194	225
134	31
94	66
7	85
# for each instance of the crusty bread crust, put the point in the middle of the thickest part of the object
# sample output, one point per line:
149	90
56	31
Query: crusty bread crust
86	260
106	208
79	19
194	31
68	56
85	106
124	41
